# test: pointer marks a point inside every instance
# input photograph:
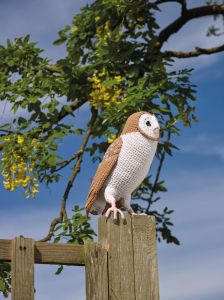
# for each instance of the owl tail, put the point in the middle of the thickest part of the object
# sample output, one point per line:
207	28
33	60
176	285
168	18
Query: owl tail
97	207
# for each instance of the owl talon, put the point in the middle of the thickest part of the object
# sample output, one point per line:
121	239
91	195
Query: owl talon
115	210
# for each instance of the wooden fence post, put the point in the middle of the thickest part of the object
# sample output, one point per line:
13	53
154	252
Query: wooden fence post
22	269
145	258
96	272
132	270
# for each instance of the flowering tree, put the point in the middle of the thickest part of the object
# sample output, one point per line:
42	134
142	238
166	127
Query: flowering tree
115	64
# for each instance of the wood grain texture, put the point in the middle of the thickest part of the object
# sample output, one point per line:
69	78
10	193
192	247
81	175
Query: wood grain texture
145	258
65	254
49	253
96	272
123	266
22	269
5	250
117	239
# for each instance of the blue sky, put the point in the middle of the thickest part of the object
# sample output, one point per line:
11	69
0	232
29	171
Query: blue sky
194	176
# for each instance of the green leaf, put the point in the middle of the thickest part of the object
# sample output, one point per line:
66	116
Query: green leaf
2	285
68	108
59	270
52	161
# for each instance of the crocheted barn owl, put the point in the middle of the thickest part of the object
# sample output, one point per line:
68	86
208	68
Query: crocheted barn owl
125	165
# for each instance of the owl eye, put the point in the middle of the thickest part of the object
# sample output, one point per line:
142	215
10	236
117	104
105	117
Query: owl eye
148	123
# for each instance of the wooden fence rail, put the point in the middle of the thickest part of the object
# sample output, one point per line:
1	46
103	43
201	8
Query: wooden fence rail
121	266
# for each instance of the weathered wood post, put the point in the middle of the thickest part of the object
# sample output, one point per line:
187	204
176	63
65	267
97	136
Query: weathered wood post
22	269
123	266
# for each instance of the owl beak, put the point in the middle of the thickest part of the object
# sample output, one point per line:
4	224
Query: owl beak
156	131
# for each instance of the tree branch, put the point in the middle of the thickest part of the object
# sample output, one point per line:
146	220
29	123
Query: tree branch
66	162
63	112
76	170
197	52
189	14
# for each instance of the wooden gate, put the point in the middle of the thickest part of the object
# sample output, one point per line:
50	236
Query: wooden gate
121	266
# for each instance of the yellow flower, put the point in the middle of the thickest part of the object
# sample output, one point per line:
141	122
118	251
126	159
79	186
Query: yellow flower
24	184
13	168
6	185
106	96
27	178
20	139
118	92
95	80
103	89
118	78
102	95
24	181
101	74
74	29
21	165
111	138
17	181
6	139
97	18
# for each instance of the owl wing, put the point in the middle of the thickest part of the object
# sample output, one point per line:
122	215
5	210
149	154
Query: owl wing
104	170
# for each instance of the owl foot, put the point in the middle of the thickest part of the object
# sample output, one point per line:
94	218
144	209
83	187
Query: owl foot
115	210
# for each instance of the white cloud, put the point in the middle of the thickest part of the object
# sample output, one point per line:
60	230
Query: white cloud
205	145
193	279
31	223
194	269
42	19
70	284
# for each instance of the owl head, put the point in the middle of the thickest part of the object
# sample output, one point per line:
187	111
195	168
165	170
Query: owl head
144	122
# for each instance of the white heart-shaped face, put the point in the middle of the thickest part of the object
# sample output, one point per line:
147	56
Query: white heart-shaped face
149	126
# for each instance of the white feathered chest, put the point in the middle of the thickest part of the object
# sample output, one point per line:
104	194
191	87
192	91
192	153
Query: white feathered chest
133	164
124	166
